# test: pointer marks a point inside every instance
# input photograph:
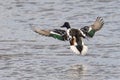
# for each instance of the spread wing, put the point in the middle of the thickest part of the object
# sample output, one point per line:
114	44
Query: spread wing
92	29
55	33
98	24
41	31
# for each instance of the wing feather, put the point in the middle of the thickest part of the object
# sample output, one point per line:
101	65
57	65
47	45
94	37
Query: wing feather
98	24
55	33
41	31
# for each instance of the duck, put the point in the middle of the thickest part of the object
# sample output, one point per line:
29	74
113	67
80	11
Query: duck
74	36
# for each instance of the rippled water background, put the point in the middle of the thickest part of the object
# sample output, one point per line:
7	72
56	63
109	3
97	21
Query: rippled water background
25	55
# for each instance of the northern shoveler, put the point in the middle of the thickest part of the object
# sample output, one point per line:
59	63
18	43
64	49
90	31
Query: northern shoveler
74	36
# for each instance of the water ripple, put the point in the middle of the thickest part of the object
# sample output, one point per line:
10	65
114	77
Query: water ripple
25	55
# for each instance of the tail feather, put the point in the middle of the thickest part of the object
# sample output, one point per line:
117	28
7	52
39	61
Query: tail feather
75	49
84	51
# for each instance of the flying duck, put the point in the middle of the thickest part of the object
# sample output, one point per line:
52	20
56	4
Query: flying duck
74	36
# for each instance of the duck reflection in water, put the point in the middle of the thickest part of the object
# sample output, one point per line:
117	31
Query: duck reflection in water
77	71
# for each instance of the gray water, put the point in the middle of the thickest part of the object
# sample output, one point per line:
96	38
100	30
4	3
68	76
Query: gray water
25	55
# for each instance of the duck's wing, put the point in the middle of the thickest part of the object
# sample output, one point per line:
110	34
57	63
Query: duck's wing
55	33
59	34
92	29
98	24
41	31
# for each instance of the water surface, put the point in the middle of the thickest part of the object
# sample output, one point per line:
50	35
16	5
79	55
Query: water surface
25	55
